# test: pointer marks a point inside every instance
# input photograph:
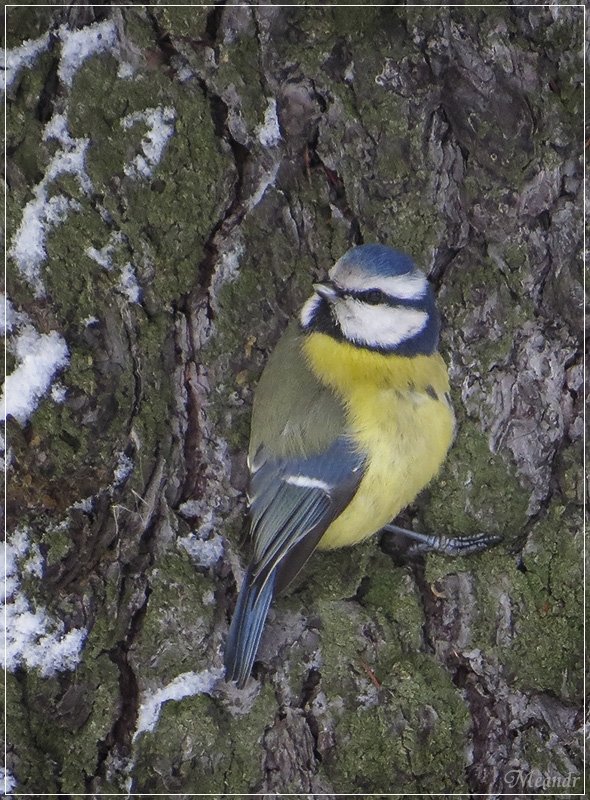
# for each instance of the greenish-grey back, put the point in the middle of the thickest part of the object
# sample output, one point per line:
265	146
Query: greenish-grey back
294	415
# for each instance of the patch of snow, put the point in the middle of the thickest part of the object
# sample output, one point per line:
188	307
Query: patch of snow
185	74
78	45
18	548
86	505
188	684
43	213
6	315
33	563
102	256
33	638
7	782
24	55
269	133
123	469
204	552
190	508
106	255
160	123
9	317
57	128
39	217
369	697
128	284
90	321
208	523
58	208
125	71
58	393
40	357
72	158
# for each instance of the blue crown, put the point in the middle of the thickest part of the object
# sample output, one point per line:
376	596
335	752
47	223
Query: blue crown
378	259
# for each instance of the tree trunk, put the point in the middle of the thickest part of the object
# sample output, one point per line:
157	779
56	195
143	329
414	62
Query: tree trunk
178	178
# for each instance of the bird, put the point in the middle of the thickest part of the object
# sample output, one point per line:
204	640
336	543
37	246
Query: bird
351	419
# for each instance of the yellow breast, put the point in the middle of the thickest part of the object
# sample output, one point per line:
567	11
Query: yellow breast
399	413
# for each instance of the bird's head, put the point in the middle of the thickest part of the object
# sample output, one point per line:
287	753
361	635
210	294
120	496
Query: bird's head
377	299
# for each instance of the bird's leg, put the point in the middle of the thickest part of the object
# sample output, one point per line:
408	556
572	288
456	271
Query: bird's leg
454	546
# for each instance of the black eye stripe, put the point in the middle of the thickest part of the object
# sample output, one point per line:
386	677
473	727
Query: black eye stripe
373	297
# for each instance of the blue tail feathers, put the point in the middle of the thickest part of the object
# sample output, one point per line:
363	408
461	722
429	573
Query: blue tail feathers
246	627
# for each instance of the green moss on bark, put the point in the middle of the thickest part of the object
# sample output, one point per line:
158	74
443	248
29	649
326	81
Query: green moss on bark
197	747
177	591
410	740
463	500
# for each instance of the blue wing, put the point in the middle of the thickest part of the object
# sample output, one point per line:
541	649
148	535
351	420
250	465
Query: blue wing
292	503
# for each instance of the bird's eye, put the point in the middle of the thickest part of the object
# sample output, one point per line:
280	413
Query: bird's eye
374	297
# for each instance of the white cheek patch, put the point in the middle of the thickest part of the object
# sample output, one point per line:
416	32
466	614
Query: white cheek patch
411	286
309	310
378	326
406	287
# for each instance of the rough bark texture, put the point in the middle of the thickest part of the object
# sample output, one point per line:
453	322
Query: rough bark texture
454	134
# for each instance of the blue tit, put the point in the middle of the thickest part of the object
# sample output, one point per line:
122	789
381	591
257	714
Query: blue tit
352	417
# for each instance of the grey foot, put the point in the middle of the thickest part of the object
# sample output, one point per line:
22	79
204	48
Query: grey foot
454	546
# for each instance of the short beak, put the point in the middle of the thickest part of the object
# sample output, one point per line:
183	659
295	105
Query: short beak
326	290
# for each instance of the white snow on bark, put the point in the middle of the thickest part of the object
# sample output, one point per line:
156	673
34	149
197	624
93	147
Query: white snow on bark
160	124
34	639
188	684
23	56
43	213
269	133
78	45
40	357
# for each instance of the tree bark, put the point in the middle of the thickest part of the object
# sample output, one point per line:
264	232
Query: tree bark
177	178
